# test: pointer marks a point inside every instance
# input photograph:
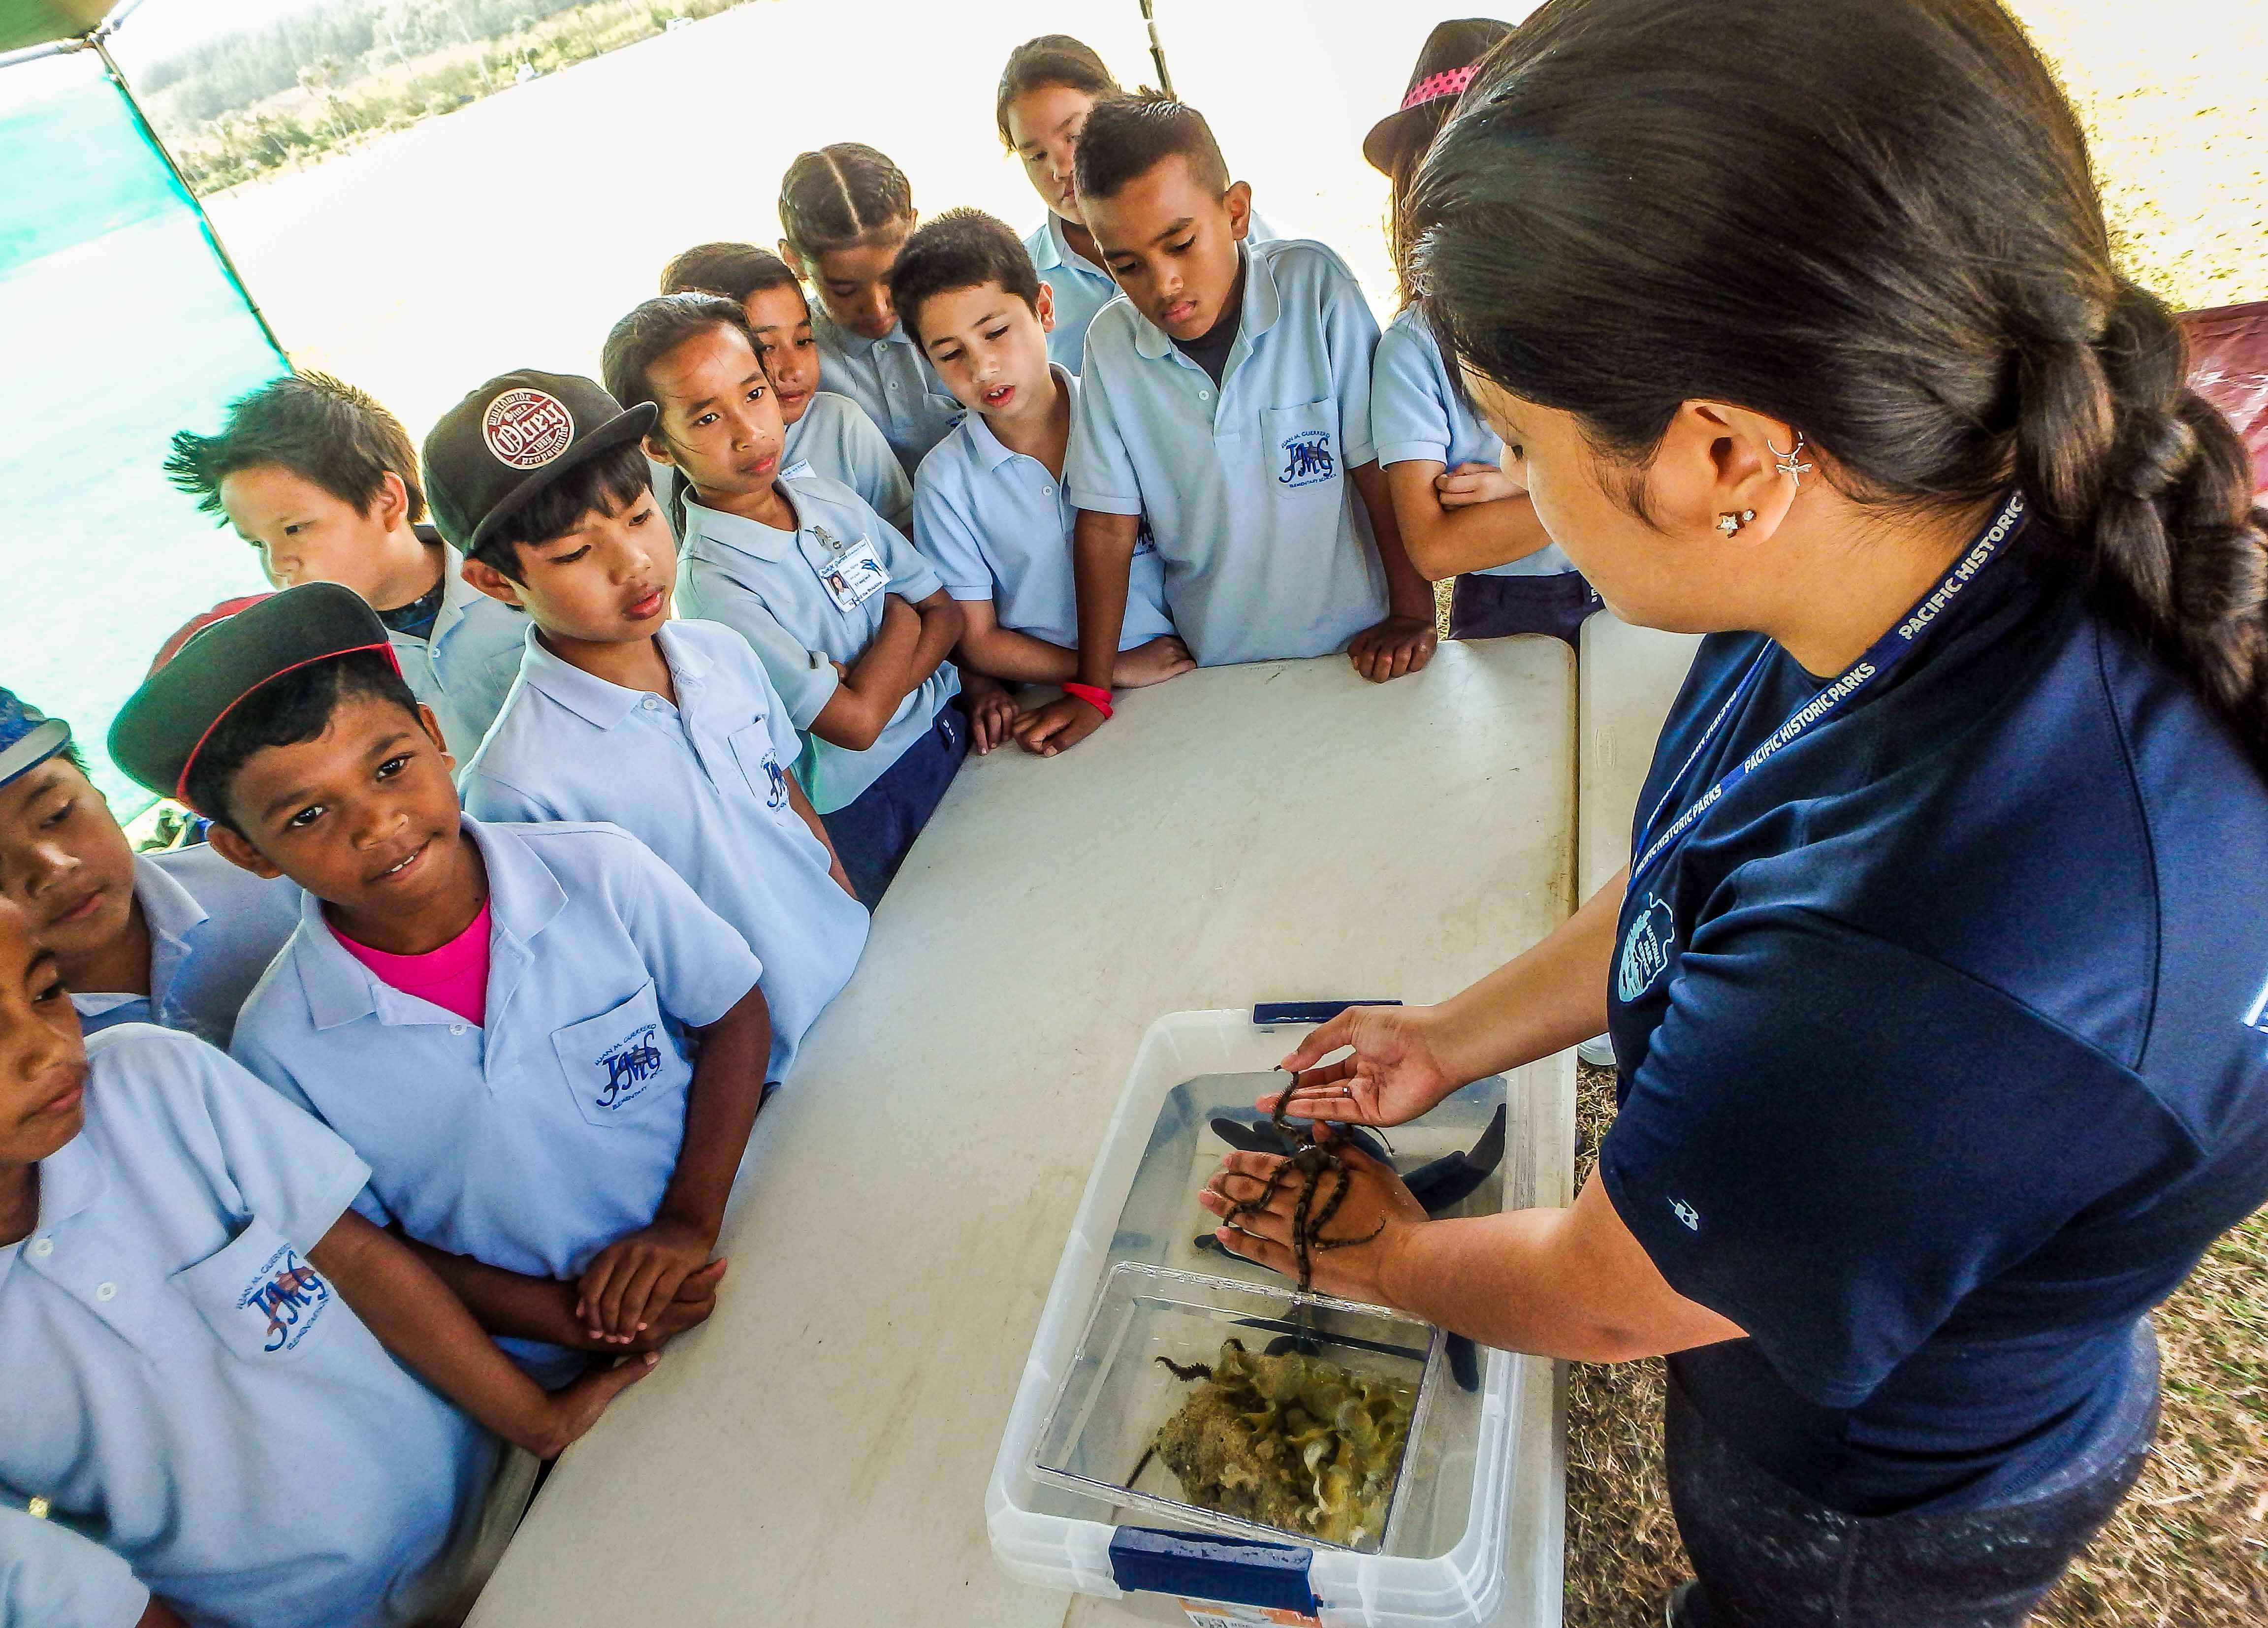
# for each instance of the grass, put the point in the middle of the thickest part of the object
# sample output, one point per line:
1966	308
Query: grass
2189	1549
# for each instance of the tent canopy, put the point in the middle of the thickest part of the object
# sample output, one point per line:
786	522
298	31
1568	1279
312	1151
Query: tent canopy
36	22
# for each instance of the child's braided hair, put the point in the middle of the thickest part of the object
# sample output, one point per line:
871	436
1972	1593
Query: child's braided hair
840	196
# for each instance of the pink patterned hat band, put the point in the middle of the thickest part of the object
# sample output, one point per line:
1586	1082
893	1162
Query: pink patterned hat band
1434	86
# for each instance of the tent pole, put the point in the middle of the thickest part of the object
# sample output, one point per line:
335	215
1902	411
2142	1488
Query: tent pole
205	221
1158	50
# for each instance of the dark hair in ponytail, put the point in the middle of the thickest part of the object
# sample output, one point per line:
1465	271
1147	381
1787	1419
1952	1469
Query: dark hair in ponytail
1051	59
1876	222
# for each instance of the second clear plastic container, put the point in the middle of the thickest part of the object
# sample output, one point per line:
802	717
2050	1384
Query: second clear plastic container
1116	1395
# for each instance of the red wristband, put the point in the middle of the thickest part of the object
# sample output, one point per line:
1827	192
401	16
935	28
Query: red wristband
1095	695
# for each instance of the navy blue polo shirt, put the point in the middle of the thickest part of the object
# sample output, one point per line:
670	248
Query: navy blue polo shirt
1944	1040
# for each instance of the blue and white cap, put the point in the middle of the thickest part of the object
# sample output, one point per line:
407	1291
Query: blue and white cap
28	737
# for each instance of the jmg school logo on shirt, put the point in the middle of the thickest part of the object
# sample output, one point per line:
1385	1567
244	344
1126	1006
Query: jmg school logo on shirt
629	1066
287	1295
1307	459
1646	950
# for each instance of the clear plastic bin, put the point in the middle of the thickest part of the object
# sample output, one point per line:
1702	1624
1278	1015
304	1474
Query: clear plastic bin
1117	1394
1464	1552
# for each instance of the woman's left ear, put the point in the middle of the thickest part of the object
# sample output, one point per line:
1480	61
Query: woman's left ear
1718	455
481	575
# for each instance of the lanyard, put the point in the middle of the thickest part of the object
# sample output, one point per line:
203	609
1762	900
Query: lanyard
1885	654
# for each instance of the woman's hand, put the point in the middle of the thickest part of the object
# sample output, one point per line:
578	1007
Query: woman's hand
1394	1076
1376	1208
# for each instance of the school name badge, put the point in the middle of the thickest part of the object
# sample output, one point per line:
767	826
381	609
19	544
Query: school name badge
287	1295
1646	950
1308	459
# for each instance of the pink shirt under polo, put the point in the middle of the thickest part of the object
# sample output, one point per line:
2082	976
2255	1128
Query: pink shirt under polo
454	977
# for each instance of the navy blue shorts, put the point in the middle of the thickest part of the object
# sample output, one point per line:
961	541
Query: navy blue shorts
1499	607
872	832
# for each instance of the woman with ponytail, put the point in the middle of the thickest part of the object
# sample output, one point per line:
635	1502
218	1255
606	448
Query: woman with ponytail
1939	979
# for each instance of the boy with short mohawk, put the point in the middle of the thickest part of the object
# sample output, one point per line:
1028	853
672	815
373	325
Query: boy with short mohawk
1226	399
990	510
323	481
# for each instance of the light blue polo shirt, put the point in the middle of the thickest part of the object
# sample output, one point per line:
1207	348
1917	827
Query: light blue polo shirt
835	438
770	586
703	784
213	929
891	379
1081	288
997	526
203	1413
1417	415
535	1140
1266	550
463	669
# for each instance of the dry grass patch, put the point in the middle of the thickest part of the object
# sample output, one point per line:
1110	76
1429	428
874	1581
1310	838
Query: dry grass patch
2189	1548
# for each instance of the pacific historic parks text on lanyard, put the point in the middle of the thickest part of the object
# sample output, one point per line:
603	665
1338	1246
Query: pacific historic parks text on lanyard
1645	947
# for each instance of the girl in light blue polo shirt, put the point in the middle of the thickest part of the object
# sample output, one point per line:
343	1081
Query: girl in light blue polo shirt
845	210
826	434
1460	514
229	1397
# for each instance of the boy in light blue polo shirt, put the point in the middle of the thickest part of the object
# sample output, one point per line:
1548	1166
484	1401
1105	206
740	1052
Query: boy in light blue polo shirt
667	729
177	938
852	624
503	1021
844	212
229	1397
323	481
1226	400
1049	85
826	434
988	506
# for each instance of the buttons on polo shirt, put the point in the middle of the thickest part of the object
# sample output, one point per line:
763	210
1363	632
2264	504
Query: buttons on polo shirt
44	1246
651	702
457	1029
106	1292
1205	396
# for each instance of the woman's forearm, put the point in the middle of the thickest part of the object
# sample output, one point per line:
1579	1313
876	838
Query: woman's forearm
1545	1001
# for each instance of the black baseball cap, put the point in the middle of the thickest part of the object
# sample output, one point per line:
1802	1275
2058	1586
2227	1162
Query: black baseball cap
513	438
164	725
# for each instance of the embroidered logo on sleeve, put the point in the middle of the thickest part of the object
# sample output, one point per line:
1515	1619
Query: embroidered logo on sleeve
1307	459
1646	950
527	429
629	1066
288	1296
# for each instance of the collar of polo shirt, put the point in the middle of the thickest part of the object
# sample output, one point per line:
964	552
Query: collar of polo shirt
524	898
600	702
706	527
1261	306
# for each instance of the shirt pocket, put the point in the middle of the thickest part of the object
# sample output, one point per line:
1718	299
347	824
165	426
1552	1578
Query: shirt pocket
1303	449
618	1064
758	755
259	1299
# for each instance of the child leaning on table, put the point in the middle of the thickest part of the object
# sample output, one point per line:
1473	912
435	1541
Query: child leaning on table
669	729
229	1396
852	624
990	511
826	434
1460	514
500	1020
1226	400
